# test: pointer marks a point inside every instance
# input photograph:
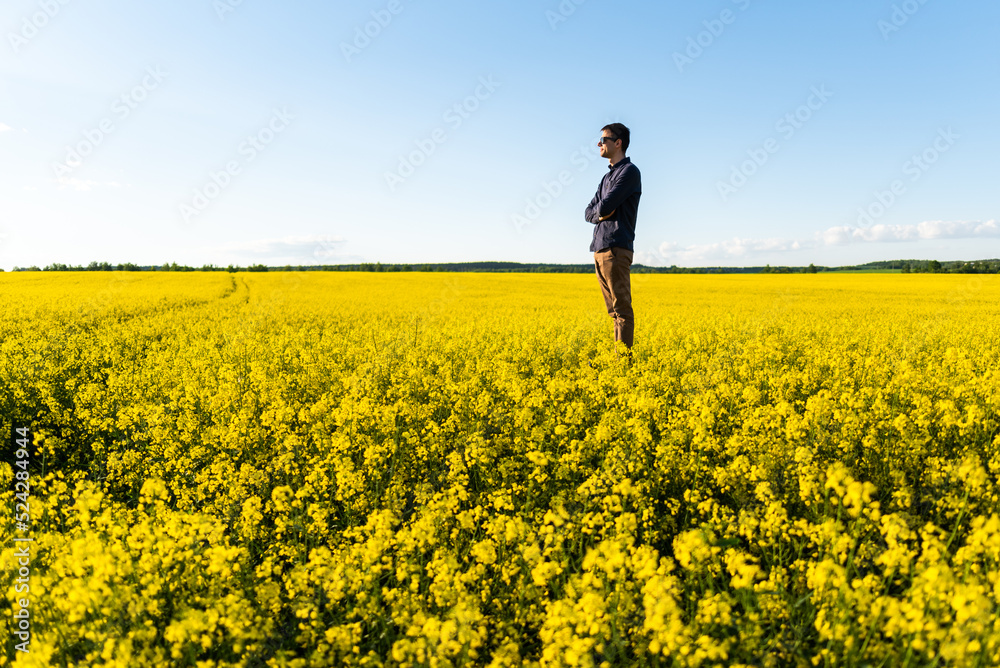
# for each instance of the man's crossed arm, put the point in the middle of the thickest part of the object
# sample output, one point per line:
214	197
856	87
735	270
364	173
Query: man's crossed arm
619	192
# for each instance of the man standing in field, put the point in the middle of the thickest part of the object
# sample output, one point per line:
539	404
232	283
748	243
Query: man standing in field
613	211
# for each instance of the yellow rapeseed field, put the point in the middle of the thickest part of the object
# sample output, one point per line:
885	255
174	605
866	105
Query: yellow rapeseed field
429	469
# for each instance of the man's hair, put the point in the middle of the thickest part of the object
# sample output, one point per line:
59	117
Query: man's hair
620	132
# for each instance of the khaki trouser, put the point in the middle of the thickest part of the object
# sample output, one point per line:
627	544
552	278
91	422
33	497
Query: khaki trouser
613	265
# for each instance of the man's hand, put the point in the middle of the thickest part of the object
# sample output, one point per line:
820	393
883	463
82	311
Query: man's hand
603	218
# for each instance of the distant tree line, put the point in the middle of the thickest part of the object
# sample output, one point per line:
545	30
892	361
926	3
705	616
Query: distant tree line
128	266
935	267
901	266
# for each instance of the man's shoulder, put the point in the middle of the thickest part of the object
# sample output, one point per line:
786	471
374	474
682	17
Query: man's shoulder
629	166
630	171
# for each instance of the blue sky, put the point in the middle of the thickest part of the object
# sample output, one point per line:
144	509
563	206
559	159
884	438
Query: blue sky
220	131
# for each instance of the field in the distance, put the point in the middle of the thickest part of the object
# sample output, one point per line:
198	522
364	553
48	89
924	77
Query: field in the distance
327	469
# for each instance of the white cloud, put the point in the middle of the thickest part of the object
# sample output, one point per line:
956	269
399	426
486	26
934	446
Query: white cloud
84	185
5	128
735	249
304	250
745	250
931	229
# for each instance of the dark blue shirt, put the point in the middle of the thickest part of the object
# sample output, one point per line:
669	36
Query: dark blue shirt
619	192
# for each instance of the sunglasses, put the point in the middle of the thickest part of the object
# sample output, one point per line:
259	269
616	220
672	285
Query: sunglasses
605	140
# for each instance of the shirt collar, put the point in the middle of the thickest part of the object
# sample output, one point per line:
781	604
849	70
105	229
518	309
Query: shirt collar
621	162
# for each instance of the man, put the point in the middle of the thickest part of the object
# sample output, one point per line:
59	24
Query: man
613	211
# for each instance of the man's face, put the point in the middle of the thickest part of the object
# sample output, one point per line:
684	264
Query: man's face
607	145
